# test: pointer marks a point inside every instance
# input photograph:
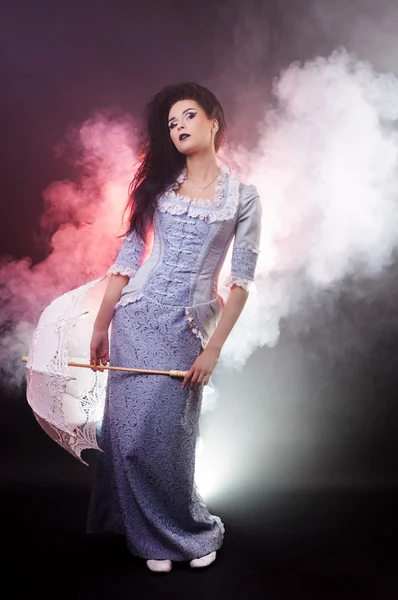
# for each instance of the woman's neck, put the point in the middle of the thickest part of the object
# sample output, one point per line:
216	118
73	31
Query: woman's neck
201	169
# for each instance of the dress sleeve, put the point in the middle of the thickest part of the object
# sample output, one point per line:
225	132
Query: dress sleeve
246	246
130	256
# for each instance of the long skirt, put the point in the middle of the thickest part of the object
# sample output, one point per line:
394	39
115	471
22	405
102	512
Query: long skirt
143	484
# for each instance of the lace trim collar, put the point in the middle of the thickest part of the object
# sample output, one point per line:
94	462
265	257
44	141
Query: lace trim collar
222	208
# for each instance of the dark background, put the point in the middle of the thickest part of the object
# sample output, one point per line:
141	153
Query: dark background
61	61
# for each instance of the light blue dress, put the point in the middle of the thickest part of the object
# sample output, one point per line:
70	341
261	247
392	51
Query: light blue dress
143	483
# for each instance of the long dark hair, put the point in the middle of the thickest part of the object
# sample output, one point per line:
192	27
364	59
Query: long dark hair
159	160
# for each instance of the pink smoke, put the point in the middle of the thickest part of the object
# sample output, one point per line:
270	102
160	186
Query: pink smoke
86	218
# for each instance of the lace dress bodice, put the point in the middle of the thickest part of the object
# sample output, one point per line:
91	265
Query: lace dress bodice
171	280
190	243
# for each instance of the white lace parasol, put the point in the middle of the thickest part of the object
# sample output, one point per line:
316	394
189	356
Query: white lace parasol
68	402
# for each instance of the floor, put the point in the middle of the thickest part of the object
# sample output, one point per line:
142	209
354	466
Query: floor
297	544
306	545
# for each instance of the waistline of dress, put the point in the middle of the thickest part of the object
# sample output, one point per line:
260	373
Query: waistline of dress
202	317
137	295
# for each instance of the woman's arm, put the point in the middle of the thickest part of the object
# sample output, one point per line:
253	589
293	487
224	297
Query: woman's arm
112	295
99	345
243	266
128	260
234	305
206	362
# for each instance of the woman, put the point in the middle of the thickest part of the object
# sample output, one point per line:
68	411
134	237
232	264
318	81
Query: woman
167	314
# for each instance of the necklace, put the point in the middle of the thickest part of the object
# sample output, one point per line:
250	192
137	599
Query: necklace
204	187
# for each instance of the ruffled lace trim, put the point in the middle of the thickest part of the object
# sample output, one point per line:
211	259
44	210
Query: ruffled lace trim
167	205
222	208
116	269
246	284
129	298
194	328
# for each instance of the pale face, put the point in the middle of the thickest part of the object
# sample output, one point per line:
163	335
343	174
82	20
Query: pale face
190	129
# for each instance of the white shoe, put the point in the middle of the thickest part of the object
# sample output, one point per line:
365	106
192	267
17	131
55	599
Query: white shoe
203	561
159	566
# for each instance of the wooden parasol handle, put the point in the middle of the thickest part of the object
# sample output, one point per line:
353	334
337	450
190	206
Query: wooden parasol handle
171	373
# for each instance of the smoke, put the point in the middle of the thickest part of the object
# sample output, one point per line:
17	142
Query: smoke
362	26
318	111
82	220
326	170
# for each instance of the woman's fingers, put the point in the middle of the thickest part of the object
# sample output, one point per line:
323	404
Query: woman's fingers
198	378
93	361
187	377
103	361
97	361
193	379
99	349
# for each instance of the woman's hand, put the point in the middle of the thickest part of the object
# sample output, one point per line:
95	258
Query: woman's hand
202	368
99	349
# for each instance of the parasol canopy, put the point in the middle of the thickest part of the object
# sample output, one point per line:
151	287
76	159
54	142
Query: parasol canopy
68	402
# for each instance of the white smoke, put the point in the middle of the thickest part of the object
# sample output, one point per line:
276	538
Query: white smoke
326	170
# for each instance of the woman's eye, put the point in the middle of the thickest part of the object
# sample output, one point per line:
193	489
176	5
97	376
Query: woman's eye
191	115
172	125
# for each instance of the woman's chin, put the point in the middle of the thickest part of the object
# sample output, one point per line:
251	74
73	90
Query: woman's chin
189	150
186	148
